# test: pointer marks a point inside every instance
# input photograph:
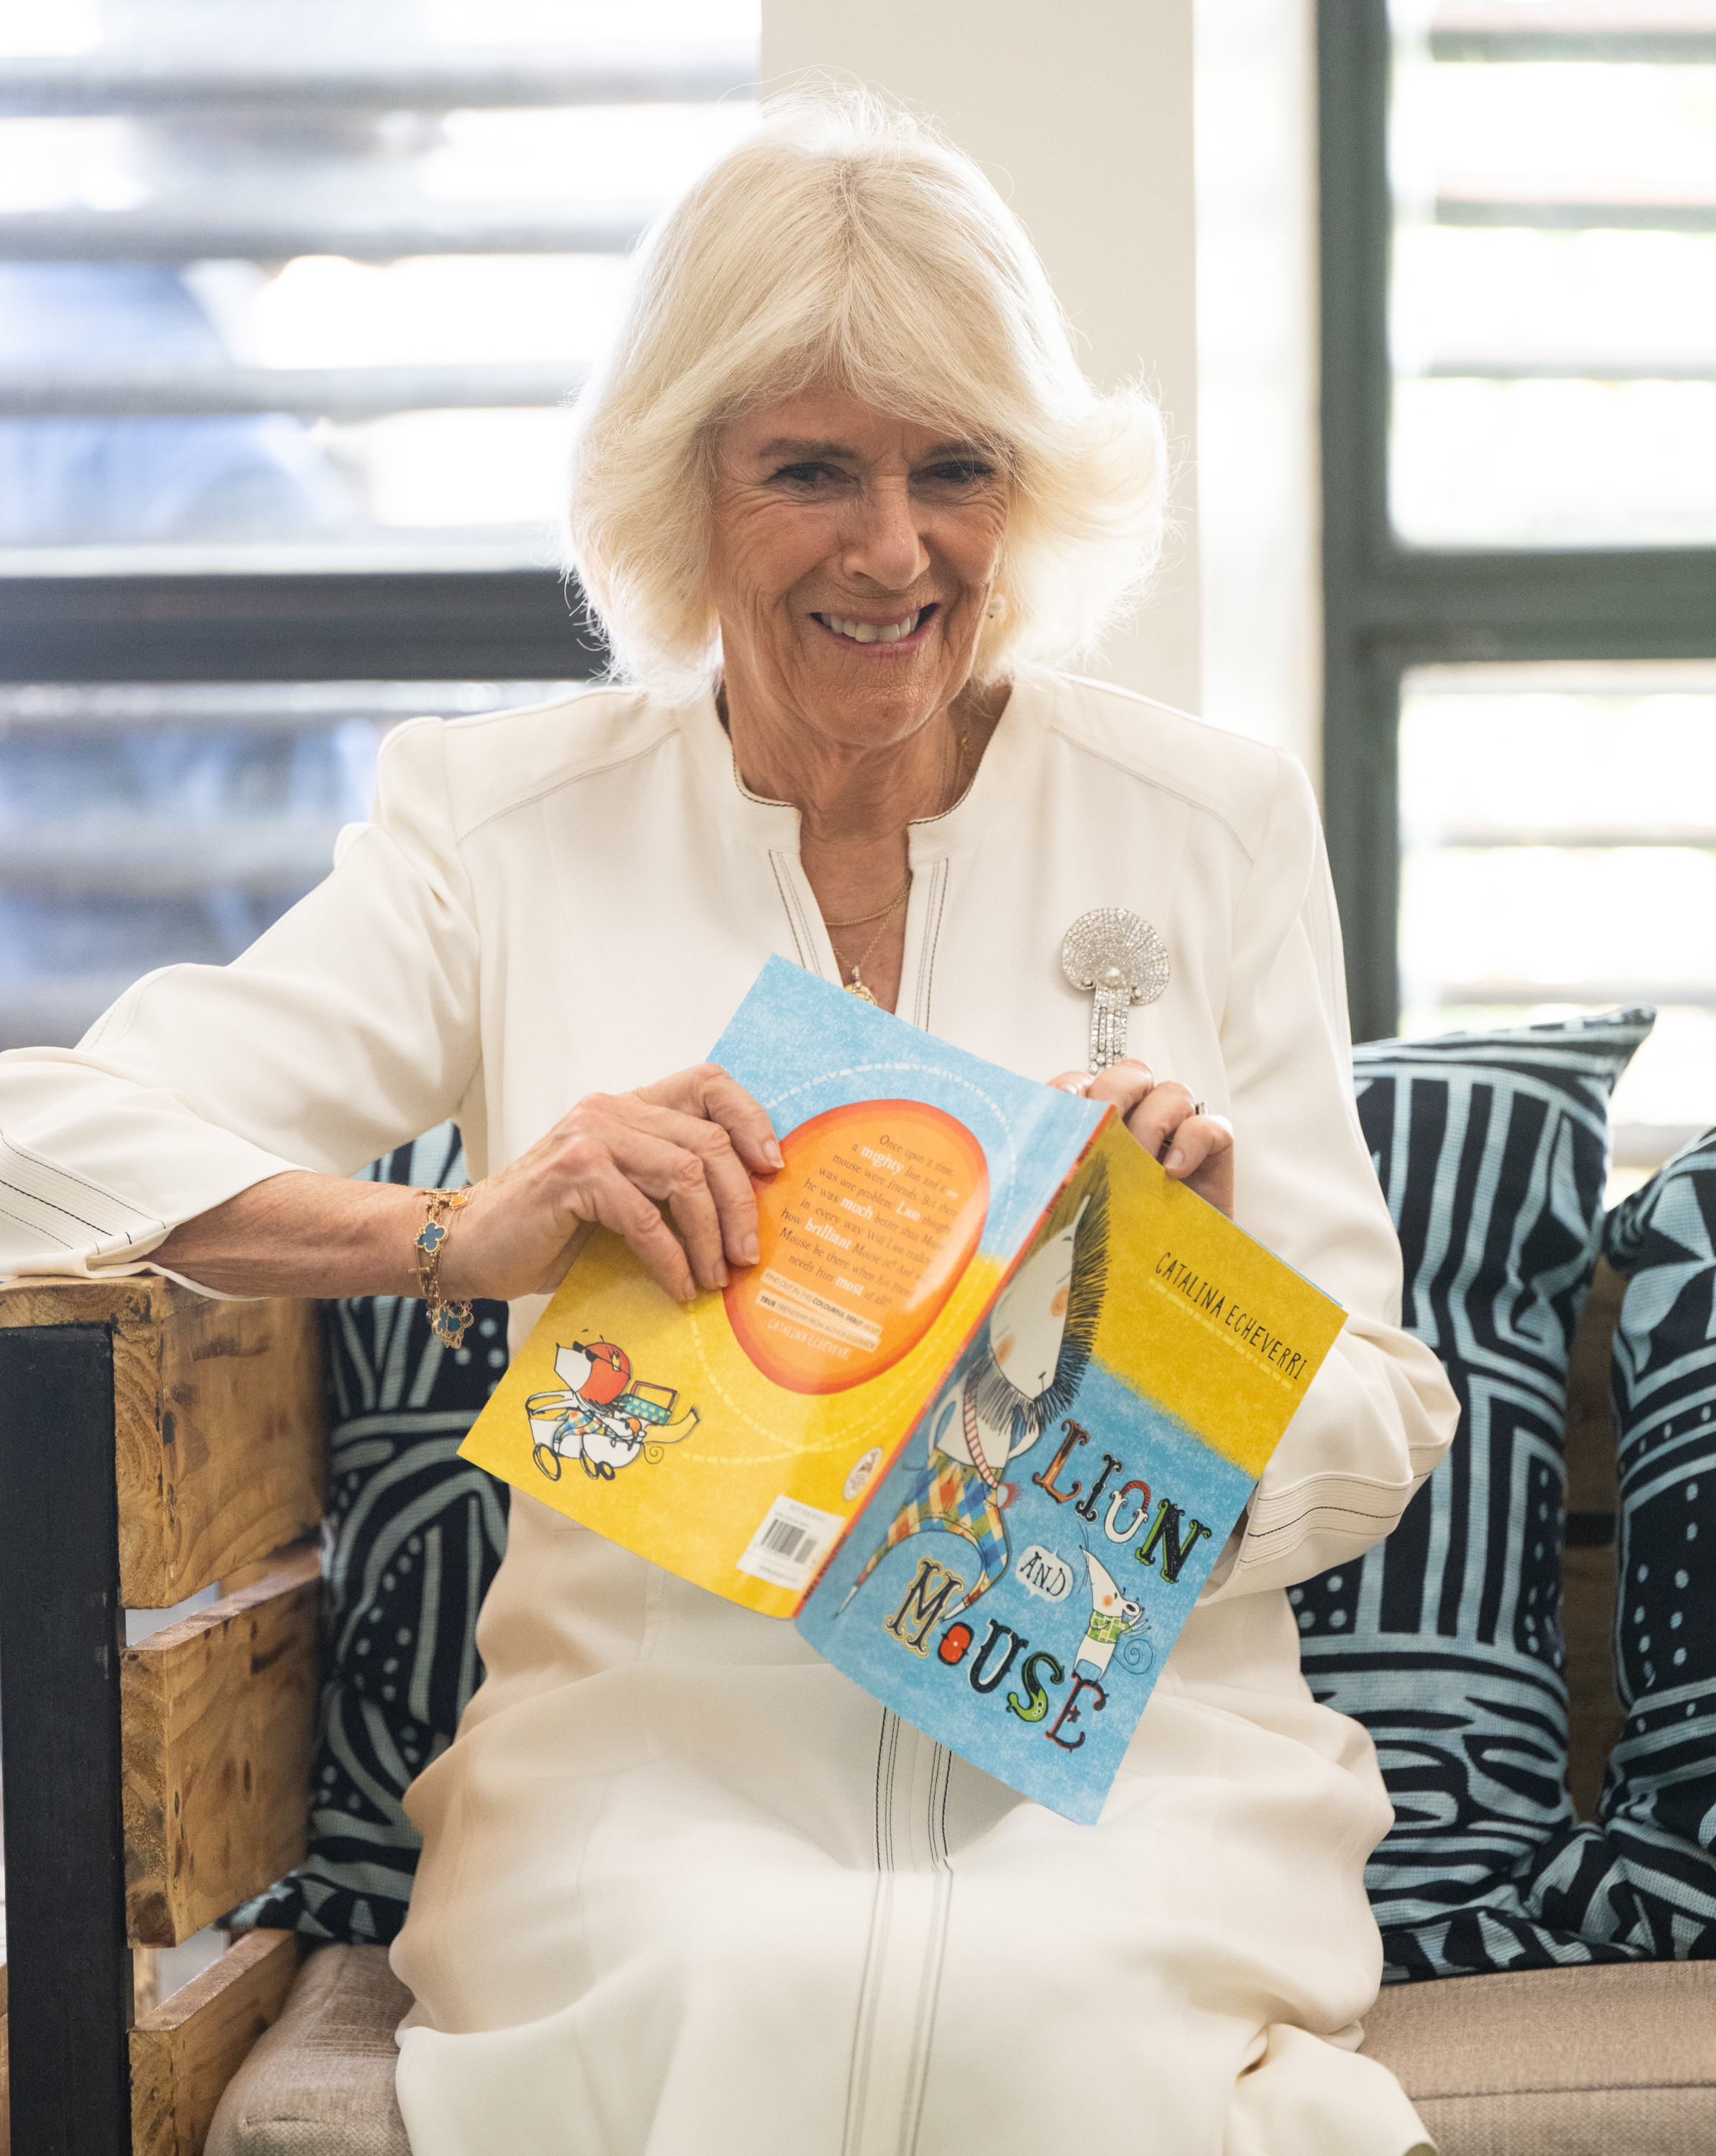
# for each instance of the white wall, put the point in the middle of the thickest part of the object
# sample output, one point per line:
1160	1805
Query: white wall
1083	115
1259	485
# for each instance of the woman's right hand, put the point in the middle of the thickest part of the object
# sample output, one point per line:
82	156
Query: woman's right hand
692	1143
1196	1148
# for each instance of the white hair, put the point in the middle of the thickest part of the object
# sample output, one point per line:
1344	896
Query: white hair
844	241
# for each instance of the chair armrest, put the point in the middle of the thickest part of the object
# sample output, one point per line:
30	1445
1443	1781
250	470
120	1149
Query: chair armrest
217	1725
151	1441
219	1431
185	2053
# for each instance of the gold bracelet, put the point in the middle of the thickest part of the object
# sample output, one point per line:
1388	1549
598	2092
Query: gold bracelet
449	1321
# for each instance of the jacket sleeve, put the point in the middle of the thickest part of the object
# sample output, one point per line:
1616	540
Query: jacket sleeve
349	1027
1380	1413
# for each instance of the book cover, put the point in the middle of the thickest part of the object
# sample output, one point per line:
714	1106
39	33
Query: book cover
980	1418
1019	1577
733	1439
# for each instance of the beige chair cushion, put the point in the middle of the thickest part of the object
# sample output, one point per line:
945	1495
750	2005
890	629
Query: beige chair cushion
321	2082
1618	2059
1615	2060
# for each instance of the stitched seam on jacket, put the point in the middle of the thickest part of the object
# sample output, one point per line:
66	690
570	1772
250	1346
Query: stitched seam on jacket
71	1182
932	936
924	2021
887	1753
941	1773
1161	786
796	921
1324	1508
876	1952
560	785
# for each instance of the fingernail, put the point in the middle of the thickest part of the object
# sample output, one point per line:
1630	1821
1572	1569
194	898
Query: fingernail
1175	1159
753	1249
771	1153
719	1273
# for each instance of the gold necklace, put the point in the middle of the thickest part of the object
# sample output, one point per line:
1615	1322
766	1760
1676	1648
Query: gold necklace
865	919
856	986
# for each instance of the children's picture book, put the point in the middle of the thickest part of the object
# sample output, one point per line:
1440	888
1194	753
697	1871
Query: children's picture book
979	1419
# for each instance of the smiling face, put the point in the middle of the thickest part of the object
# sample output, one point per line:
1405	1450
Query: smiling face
851	561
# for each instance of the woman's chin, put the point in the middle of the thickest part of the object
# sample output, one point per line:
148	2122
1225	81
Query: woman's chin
874	714
860	698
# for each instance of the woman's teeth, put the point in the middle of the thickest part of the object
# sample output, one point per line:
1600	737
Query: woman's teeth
868	632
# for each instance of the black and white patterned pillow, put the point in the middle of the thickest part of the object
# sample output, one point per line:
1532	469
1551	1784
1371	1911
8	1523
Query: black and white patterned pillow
1445	1642
1659	1799
413	1537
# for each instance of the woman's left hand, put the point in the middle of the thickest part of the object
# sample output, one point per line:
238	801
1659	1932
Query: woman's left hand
1196	1150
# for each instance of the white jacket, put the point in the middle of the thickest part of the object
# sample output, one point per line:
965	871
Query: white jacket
574	898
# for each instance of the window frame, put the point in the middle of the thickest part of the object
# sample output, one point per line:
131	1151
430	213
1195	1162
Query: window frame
1388	608
356	625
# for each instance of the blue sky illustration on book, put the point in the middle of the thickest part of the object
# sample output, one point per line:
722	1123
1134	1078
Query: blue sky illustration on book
1028	1135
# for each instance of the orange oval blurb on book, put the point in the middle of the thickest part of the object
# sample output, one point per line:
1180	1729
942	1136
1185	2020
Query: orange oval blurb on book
864	1235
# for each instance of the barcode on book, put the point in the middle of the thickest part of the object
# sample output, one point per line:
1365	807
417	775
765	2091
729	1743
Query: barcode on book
790	1543
781	1539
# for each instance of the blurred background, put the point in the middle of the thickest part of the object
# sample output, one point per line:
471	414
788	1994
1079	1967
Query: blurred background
294	298
1549	308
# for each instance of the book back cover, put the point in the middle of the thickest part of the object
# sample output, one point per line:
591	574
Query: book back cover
732	1440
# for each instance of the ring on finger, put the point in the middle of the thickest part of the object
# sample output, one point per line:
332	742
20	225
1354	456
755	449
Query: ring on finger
1198	1106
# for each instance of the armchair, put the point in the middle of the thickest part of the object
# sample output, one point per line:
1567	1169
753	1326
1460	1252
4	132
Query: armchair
152	1443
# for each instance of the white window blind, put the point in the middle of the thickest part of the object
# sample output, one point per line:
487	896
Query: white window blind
294	295
1553	291
291	285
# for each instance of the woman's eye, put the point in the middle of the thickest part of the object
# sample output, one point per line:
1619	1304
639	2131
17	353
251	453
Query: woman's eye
961	471
807	475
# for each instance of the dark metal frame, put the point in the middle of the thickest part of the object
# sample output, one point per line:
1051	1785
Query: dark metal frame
69	1992
1387	607
370	626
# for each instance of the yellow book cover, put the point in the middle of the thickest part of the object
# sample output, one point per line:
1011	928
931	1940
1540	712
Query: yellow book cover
980	1418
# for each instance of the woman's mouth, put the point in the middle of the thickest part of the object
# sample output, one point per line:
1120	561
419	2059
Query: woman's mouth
852	630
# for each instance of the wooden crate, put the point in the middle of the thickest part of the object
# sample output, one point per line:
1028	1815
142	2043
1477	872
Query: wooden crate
217	1724
218	1426
183	2053
152	1442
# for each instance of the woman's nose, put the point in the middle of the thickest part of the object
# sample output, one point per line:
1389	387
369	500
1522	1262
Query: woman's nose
882	541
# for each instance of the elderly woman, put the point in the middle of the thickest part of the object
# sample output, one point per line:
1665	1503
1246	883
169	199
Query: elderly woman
840	498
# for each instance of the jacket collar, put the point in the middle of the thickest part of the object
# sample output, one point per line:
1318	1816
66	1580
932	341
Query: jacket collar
1011	761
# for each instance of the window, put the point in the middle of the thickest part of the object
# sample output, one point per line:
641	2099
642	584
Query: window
294	297
275	297
1557	838
145	824
1519	454
1551	294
